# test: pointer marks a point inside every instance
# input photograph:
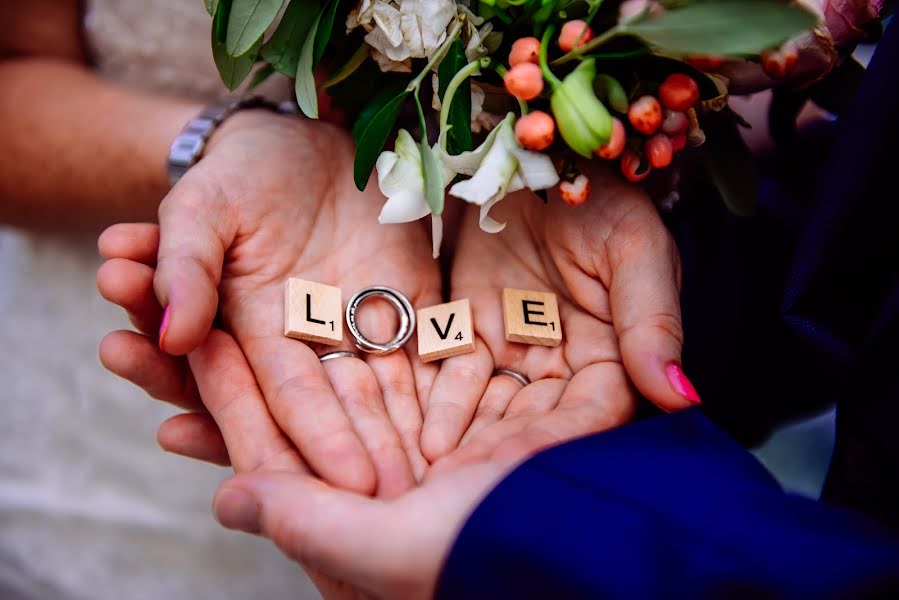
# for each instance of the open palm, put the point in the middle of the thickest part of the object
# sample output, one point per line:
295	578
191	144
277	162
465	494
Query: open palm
613	268
271	200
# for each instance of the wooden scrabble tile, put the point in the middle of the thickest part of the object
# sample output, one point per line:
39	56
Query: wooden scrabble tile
531	317
313	312
445	330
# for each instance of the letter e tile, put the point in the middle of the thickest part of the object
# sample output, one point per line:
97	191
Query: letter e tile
531	317
313	312
445	330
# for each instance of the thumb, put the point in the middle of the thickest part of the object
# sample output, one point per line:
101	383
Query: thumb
194	232
645	302
337	533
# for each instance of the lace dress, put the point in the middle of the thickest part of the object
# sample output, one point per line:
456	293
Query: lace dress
90	507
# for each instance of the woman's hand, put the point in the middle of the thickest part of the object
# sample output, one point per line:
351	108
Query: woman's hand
273	199
614	269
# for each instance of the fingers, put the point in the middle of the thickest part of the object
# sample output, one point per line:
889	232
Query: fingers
398	389
195	230
133	241
195	436
646	313
596	399
231	395
459	385
346	536
493	405
130	285
136	357
303	403
357	389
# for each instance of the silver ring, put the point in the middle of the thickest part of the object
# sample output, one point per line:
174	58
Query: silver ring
522	379
403	309
337	354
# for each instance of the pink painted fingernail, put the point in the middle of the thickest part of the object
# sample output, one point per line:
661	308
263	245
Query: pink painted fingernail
164	325
681	384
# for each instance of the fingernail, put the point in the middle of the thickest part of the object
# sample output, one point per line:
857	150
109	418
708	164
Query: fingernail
236	509
680	383
164	325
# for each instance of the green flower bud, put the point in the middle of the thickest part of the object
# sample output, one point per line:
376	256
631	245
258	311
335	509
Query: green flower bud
609	90
583	120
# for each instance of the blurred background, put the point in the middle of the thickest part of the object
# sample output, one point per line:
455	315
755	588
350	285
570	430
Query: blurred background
90	507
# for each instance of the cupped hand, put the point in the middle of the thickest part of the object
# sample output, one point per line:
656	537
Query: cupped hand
353	546
272	199
615	271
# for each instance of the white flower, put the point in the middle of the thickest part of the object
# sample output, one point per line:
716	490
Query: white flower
498	167
403	29
401	179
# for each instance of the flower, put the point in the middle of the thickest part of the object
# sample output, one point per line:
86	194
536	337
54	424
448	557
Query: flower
838	31
402	29
401	179
583	120
499	166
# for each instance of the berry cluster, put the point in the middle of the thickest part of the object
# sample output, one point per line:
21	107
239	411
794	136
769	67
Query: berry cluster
645	134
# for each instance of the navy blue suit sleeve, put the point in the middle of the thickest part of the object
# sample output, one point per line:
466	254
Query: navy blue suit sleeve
666	508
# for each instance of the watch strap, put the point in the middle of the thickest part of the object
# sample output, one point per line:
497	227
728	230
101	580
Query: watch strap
187	147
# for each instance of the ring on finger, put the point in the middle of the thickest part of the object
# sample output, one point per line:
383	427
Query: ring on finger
338	354
519	377
403	309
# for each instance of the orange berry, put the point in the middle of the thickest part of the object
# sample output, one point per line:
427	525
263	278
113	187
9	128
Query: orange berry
678	92
678	142
674	122
630	162
704	63
535	130
780	63
645	115
526	49
524	81
574	32
659	150
576	192
615	145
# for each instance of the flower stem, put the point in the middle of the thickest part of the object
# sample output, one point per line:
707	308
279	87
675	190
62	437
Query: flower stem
472	68
554	81
591	45
436	57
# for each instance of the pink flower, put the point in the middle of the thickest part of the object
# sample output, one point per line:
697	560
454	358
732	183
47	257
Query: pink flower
844	19
838	31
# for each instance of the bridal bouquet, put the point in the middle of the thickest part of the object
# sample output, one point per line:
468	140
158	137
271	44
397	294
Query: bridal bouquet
483	98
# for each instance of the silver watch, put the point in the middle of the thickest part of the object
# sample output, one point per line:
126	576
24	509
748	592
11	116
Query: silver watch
187	147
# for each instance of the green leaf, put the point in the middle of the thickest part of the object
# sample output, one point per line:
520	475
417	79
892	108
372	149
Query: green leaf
260	76
730	164
282	50
433	178
247	23
459	138
325	25
210	6
220	21
373	136
730	27
307	95
349	67
232	70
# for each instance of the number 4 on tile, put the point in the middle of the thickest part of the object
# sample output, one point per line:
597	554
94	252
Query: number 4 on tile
445	330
